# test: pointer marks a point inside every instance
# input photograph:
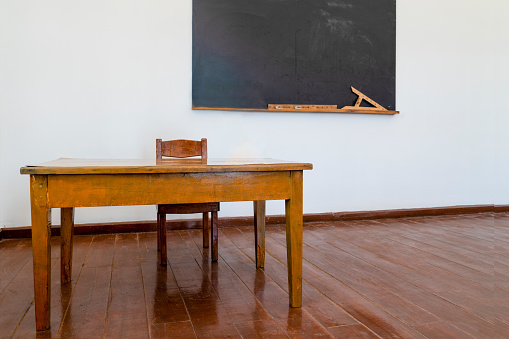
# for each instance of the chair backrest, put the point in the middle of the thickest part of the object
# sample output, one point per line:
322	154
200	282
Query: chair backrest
181	148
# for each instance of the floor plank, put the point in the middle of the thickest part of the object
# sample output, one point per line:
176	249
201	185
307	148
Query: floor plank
61	294
371	314
86	316
434	277
127	312
246	311
324	310
421	297
206	310
295	322
15	253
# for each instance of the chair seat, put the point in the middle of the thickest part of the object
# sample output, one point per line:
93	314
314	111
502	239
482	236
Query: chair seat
188	208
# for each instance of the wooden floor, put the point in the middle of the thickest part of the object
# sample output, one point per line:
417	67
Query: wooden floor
435	277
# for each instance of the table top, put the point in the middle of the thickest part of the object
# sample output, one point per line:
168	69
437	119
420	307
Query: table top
170	165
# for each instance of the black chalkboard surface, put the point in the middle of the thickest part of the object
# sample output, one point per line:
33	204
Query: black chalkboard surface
251	53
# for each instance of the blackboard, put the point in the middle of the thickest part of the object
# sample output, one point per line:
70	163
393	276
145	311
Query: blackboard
251	53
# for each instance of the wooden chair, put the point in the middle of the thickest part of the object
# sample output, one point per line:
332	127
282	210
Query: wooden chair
185	149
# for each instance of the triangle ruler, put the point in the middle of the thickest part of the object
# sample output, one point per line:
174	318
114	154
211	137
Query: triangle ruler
362	96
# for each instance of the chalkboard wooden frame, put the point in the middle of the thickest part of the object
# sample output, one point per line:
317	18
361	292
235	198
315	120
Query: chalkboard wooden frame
248	54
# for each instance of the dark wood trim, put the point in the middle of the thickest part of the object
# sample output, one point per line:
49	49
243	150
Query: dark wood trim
501	208
184	224
414	212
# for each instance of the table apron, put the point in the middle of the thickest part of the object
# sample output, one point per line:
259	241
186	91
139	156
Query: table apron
85	190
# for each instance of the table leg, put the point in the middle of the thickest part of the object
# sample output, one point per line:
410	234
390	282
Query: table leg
66	235
206	230
259	231
294	221
214	235
41	250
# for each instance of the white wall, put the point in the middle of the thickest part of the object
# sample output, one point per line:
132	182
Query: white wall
103	79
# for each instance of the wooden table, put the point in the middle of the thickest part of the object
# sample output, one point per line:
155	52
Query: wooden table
70	183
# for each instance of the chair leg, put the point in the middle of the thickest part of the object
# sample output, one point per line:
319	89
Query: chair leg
158	237
214	235
206	230
161	239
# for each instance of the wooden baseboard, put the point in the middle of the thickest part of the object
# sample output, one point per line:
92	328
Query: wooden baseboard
501	208
183	224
